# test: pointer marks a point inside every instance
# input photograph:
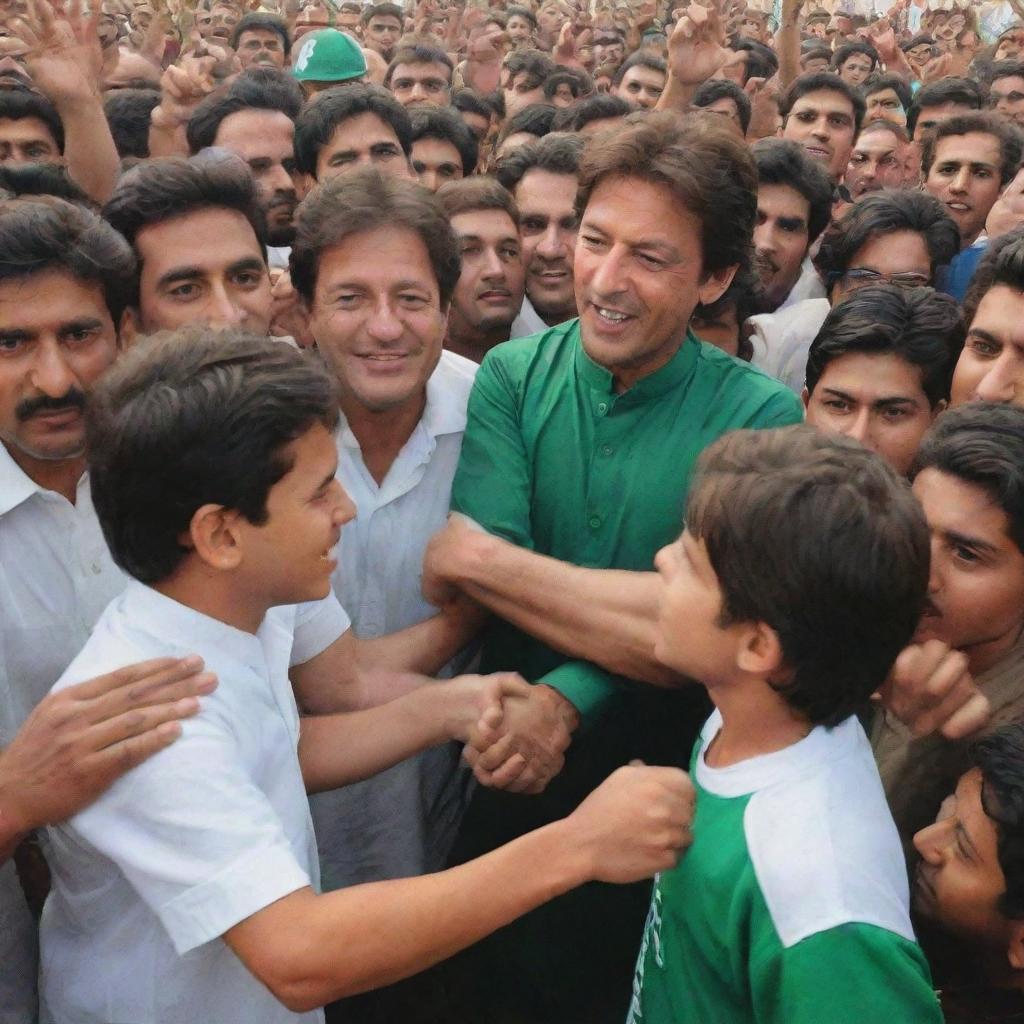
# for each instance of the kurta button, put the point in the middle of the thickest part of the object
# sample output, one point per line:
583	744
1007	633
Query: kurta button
595	522
602	407
607	449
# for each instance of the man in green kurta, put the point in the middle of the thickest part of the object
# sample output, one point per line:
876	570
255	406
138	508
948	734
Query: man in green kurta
576	461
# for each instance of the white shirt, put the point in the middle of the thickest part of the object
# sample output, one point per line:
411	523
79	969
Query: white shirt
809	285
401	822
782	340
528	322
198	838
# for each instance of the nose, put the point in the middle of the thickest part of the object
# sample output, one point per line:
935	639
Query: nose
279	180
998	383
959	183
932	842
860	428
551	244
608	278
382	324
494	269
820	129
430	180
764	238
223	310
935	570
345	507
418	92
51	373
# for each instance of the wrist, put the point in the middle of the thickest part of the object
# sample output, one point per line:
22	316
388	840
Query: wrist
561	705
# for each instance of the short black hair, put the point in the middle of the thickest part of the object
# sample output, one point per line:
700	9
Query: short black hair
443	123
898	84
418	51
43	180
579	82
268	23
819	81
1006	69
982	444
382	10
203	125
536	65
782	162
639	59
318	120
762	61
1011	143
522	12
715	89
270	88
815	51
556	154
19	103
598	107
820	539
128	116
469	101
1002	264
918	325
847	50
194	417
946	90
534	118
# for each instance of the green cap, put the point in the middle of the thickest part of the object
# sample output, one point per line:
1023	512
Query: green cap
328	56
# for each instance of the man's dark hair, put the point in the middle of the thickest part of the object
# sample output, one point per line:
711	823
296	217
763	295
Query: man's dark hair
43	180
556	154
818	538
316	124
946	90
418	52
885	213
1002	264
194	417
709	172
917	41
477	193
918	325
820	81
639	59
847	50
18	104
762	61
781	162
1011	143
1006	69
382	10
898	84
598	107
522	12
128	115
534	119
468	101
443	123
203	125
269	88
43	234
260	20
885	126
982	444
1000	756
815	52
715	89
362	201
536	65
579	82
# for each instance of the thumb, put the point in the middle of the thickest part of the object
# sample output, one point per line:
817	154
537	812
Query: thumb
637	763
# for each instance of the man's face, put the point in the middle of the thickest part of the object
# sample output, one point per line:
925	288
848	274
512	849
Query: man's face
381	33
608	49
436	162
885	105
476	123
56	340
360	141
991	365
752	28
547	223
348	22
490	289
855	69
780	239
223	19
421	85
1007	96
875	163
206	267
878	400
260	46
959	880
918	56
819	30
310	19
823	123
898	257
965	178
550	18
638	276
976	588
641	87
1010	45
519	30
726	107
263	139
379	323
27	141
521	92
814	65
929	117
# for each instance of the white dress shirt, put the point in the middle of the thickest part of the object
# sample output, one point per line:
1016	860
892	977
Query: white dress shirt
781	340
201	836
401	822
528	322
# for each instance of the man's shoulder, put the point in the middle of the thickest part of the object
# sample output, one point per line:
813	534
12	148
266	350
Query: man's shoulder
517	357
748	388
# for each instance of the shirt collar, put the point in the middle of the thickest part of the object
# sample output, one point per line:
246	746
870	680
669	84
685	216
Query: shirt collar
16	486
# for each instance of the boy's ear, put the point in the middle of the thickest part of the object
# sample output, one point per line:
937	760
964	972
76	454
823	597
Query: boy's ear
805	397
1015	946
760	650
214	536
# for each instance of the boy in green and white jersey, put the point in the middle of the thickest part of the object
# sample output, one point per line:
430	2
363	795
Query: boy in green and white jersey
800	576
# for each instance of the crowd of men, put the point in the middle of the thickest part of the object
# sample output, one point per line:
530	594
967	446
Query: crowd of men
461	462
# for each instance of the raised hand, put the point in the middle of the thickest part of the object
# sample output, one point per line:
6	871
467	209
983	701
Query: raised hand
764	107
882	36
63	53
1007	212
696	48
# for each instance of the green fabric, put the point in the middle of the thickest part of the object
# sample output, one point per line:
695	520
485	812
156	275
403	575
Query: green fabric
328	56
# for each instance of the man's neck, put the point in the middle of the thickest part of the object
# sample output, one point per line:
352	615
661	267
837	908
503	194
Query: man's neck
554	317
464	341
59	475
210	593
382	433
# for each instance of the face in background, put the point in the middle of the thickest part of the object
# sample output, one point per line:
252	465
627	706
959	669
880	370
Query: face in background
965	177
780	239
823	123
129	71
878	400
641	87
260	46
991	365
726	107
1007	96
359	141
876	162
379	323
436	162
856	69
27	140
520	31
512	142
476	123
381	33
204	267
421	85
918	56
929	117
347	21
608	49
1010	45
547	226
885	105
264	140
638	277
56	340
898	257
311	18
812	65
976	588
223	19
522	90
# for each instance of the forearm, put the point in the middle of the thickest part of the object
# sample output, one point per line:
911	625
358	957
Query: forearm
676	96
89	149
787	42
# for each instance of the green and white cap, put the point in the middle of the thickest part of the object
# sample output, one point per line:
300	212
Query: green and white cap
328	56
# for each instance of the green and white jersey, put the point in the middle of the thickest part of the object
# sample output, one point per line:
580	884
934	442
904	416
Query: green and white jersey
791	906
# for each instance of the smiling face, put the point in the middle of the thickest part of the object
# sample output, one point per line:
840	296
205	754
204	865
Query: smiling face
823	123
965	177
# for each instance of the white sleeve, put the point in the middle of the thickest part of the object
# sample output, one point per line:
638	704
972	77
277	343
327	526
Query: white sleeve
317	625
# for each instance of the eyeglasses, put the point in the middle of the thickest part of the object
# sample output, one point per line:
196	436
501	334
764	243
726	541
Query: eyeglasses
861	277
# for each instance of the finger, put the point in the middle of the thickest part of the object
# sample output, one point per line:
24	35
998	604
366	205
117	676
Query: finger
470	755
142	696
933	717
506	775
523	782
753	85
497	753
121	757
140	672
122	727
969	719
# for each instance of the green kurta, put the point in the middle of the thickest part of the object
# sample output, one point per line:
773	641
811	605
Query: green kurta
557	462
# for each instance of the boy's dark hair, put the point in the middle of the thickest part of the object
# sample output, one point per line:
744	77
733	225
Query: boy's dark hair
885	213
639	59
443	123
537	66
268	23
821	540
362	201
18	104
534	119
24	180
522	12
270	88
946	90
579	82
203	125
811	49
917	40
982	444
43	233
128	115
194	417
557	154
762	61
715	89
1009	138
317	122
382	10
468	101
1006	69
847	50
1000	756
418	52
898	84
1003	263
781	162
476	193
918	325
597	107
820	81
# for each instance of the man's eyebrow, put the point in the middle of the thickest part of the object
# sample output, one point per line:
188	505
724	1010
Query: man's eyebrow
893	401
246	263
82	323
980	332
16	334
176	274
967	541
792	222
